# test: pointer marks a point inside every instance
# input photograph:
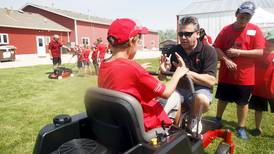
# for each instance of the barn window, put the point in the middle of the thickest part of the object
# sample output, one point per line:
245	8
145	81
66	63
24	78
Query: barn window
4	39
85	40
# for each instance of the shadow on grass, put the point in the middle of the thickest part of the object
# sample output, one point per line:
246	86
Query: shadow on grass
250	130
48	72
231	125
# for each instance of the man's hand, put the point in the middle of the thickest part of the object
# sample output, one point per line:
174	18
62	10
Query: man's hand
165	64
180	60
233	52
230	64
181	68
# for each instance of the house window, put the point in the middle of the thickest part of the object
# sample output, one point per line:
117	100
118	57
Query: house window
4	39
85	40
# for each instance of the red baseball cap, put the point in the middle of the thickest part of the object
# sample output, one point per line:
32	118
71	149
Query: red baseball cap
121	30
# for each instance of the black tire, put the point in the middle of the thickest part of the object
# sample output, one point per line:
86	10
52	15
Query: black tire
223	148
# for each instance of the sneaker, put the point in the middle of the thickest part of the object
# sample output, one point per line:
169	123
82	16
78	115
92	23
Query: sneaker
218	122
256	132
193	126
242	133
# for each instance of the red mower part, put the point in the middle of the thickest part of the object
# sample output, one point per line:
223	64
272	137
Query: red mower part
66	74
226	135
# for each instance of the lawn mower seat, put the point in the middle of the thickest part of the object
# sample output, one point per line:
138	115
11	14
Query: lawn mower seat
116	119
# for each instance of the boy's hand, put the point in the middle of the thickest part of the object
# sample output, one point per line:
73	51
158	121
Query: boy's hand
165	64
233	52
146	65
230	64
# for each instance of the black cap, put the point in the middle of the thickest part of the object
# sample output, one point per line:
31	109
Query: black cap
247	7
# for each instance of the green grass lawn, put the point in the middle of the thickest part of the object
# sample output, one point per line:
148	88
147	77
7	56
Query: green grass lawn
29	100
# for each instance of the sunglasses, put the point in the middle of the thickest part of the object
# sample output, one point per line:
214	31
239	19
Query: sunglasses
186	34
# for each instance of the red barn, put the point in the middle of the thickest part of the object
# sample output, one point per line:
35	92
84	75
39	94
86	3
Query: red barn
151	40
29	32
85	28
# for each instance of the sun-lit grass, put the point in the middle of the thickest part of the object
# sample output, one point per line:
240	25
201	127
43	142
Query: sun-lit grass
29	100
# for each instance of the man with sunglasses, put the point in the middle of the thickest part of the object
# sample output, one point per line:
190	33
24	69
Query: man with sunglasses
201	60
238	45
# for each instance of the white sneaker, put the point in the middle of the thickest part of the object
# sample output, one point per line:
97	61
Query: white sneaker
193	126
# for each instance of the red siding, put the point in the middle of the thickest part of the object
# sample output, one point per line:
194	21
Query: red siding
66	22
83	30
25	39
151	40
99	30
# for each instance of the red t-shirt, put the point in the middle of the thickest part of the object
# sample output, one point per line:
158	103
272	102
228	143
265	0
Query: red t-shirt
248	38
94	55
102	49
129	77
264	75
99	52
86	53
55	48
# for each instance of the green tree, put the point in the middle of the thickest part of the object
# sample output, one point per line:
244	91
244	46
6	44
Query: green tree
167	34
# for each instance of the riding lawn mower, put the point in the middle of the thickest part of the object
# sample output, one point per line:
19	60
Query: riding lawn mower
113	123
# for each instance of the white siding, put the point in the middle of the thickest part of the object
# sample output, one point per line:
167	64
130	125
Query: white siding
214	22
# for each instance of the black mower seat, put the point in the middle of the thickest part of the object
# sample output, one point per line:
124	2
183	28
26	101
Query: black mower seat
116	119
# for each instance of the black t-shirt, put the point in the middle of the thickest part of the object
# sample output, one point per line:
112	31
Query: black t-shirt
202	60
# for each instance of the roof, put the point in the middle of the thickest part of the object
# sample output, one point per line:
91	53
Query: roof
26	20
73	15
210	6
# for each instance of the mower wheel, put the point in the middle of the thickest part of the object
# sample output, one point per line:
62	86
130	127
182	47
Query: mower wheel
223	148
60	77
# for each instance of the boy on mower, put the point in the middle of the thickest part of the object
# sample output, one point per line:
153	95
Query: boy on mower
121	73
263	92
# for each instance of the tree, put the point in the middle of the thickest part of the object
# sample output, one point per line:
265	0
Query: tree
167	34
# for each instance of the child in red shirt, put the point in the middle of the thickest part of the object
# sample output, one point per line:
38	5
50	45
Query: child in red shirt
121	73
263	92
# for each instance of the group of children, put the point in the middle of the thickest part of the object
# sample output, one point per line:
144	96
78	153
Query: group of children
84	56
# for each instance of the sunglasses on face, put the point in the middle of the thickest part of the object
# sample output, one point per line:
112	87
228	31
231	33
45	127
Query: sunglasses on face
186	34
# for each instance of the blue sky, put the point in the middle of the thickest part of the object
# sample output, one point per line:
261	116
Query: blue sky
155	14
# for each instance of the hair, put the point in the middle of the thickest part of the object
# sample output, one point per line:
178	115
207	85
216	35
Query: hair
56	36
202	34
99	40
112	40
189	20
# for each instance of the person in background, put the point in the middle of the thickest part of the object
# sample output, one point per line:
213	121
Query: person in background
263	92
237	45
86	60
98	54
206	39
55	51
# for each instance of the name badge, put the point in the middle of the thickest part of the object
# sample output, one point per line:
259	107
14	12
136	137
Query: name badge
251	32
